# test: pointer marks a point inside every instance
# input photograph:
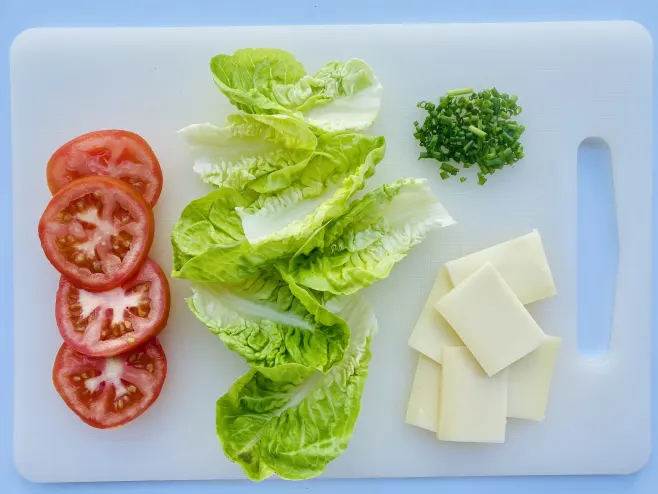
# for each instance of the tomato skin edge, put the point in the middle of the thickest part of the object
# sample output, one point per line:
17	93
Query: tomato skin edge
64	150
53	205
61	306
93	423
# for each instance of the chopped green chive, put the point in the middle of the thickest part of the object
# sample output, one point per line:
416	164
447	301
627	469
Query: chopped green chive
476	131
473	129
460	91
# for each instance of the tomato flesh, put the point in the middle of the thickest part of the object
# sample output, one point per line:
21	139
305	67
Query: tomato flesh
104	324
109	392
97	232
113	153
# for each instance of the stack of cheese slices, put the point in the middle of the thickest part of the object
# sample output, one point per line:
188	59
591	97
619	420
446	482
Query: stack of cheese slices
483	358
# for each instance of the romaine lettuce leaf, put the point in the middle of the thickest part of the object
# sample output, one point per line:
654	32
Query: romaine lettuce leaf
251	230
340	96
248	77
279	329
295	428
363	245
263	152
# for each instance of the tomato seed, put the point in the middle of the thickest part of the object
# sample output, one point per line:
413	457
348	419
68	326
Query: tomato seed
76	378
149	368
120	404
132	358
132	389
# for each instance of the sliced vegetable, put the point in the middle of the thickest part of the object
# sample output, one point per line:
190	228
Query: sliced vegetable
109	392
108	153
262	152
97	232
295	428
475	129
277	328
340	96
363	245
104	324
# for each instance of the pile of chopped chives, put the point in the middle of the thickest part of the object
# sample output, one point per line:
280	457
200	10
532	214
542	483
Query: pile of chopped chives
469	128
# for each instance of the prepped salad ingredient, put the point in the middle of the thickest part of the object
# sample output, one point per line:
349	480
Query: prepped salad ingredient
105	324
294	428
109	392
278	250
530	381
275	325
263	152
340	96
490	320
112	300
97	232
473	406
229	235
364	244
521	262
423	407
107	153
432	332
493	360
471	128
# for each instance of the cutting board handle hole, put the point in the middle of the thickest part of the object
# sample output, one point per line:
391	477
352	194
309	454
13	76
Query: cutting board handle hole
598	247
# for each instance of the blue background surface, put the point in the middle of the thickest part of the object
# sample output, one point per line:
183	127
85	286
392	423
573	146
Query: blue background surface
17	15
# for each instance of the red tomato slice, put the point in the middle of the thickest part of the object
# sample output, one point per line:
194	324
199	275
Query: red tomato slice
97	232
112	153
104	324
109	392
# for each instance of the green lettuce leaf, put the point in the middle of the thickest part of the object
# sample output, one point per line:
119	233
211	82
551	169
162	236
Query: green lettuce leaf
295	428
340	96
248	77
363	245
251	230
264	152
208	241
280	329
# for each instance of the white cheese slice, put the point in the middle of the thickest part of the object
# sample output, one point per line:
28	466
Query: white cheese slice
472	406
432	332
521	262
490	320
423	408
530	381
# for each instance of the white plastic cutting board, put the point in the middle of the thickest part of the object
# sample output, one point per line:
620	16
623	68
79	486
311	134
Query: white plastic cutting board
574	81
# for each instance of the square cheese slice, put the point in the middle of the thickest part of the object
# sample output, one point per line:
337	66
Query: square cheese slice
473	406
490	320
530	381
432	332
521	262
423	408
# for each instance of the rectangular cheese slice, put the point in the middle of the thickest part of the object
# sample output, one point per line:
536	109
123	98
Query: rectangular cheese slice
432	332
423	408
530	381
521	262
490	320
473	406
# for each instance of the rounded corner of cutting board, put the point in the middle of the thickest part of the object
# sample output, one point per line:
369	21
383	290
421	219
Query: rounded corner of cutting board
22	40
24	466
641	32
